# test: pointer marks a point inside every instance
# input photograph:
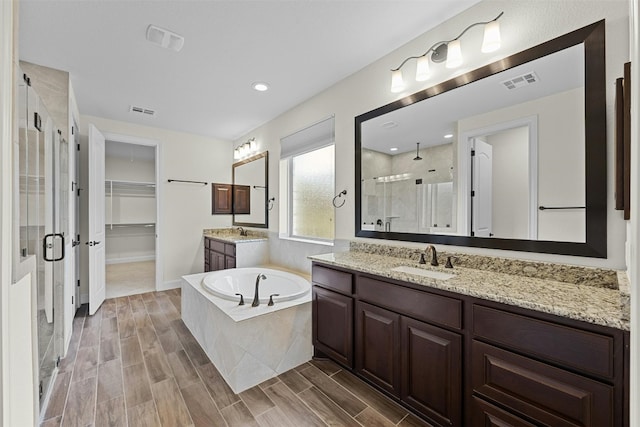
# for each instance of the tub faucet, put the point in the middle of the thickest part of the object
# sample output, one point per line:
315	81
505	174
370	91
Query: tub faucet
434	255
256	298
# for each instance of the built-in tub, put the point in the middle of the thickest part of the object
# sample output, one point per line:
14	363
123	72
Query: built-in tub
248	345
227	284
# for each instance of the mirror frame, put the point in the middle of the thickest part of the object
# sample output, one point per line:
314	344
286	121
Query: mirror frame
593	37
264	155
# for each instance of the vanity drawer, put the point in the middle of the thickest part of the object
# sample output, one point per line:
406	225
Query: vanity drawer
217	246
548	395
420	305
332	279
586	351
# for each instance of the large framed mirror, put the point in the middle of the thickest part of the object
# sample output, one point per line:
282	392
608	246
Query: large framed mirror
508	156
251	191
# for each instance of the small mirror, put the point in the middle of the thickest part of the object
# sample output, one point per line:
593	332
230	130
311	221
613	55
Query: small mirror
251	191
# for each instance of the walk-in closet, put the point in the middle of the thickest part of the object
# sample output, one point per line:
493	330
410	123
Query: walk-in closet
130	218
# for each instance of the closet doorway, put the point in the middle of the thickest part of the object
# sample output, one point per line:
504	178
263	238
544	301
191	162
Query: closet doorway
131	215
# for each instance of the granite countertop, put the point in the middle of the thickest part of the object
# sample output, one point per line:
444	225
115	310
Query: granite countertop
601	305
232	235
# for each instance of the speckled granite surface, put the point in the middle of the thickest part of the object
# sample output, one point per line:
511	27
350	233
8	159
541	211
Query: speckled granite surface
594	304
232	235
538	270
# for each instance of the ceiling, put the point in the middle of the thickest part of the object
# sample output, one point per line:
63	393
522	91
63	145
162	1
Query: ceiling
299	47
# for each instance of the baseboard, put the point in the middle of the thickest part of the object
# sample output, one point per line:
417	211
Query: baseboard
172	284
130	259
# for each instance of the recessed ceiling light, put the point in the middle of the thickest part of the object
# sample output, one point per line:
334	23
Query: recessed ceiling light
260	86
449	135
393	149
389	125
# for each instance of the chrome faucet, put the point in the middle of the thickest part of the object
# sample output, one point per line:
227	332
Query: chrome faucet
256	298
434	255
242	231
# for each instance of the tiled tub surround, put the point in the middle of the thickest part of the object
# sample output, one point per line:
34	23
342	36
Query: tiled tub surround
248	345
595	303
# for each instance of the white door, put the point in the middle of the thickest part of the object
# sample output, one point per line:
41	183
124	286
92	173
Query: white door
97	279
482	198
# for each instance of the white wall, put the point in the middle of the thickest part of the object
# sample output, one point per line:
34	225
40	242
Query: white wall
185	209
524	24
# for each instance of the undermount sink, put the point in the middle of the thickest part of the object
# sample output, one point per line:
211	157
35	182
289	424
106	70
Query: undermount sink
438	275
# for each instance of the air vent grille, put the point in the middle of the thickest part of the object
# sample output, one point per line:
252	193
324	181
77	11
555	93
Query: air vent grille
521	80
141	110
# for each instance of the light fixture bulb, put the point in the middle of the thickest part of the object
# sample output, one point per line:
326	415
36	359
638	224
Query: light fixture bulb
422	69
260	86
454	54
491	41
397	84
236	153
253	144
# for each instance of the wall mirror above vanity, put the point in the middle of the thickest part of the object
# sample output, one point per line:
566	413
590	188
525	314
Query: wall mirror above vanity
508	156
250	179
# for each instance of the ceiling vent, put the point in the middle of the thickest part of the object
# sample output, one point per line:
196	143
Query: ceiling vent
522	80
143	111
165	38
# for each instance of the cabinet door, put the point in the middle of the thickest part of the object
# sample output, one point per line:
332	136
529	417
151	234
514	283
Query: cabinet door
216	261
229	262
378	345
222	198
432	371
241	199
207	257
333	325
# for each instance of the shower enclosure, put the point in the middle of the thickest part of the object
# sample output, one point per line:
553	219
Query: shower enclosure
43	179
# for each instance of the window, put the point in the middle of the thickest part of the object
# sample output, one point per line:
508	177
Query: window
307	184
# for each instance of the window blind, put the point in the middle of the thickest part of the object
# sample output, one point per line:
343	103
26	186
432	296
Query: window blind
310	138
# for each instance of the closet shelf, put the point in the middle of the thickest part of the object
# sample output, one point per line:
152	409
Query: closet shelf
117	188
127	225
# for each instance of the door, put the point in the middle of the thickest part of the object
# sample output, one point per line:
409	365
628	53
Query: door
482	184
96	242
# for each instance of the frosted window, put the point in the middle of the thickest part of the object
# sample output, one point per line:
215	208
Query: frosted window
312	188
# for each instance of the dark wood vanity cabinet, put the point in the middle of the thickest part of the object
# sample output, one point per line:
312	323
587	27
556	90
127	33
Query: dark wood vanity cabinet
332	308
218	255
458	360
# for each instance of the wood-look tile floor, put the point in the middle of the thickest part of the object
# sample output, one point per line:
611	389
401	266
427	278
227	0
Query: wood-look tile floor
134	363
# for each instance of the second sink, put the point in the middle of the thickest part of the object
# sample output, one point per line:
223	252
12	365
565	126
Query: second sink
438	275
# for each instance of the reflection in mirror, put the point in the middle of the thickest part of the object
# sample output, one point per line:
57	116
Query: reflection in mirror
501	153
251	175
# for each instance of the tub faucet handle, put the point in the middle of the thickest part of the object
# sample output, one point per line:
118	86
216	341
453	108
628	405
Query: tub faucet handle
241	299
271	299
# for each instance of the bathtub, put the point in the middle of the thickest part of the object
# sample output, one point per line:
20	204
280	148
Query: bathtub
227	283
249	345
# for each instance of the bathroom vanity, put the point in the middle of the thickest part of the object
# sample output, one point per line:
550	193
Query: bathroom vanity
478	348
227	248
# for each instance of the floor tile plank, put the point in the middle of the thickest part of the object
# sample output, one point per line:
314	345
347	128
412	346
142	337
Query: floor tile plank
142	320
274	418
58	395
237	415
148	341
413	421
345	399
86	364
201	408
169	341
157	366
111	413
182	368
256	400
136	385
373	398
109	328
110	384
327	366
109	349
171	409
292	406
372	418
294	381
326	409
143	415
218	388
80	410
130	350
